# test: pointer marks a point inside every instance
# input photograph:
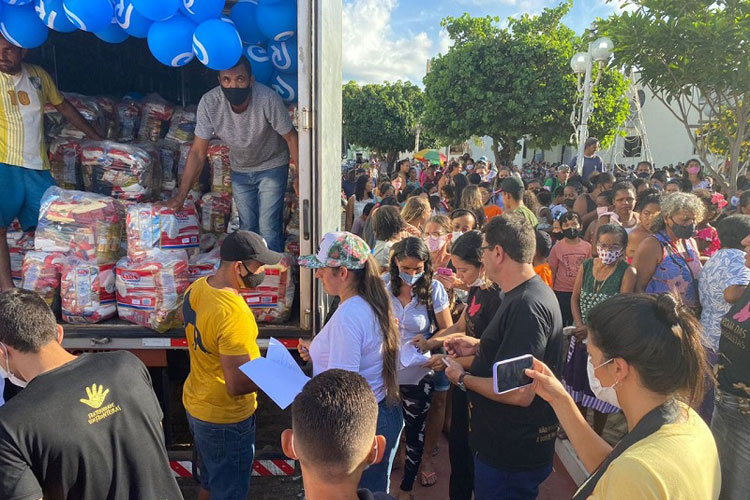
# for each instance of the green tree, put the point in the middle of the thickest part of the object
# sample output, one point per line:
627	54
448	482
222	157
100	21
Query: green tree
512	83
693	56
383	117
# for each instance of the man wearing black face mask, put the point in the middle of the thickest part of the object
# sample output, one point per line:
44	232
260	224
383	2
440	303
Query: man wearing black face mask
252	119
221	333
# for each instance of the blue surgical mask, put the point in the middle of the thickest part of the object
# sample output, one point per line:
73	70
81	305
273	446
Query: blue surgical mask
410	279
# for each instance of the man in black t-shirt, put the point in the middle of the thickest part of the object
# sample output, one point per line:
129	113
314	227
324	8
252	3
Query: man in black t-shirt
512	435
86	427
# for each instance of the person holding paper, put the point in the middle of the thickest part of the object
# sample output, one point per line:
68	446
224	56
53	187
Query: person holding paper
360	337
219	399
332	461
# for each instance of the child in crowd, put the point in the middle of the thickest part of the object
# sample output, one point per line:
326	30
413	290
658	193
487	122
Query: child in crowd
558	207
706	236
490	209
359	223
543	249
565	260
543	212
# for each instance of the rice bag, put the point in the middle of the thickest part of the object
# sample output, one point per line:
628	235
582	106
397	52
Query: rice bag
65	162
41	274
129	115
272	301
150	291
221	171
215	210
87	225
87	292
123	171
182	126
204	264
155	114
151	227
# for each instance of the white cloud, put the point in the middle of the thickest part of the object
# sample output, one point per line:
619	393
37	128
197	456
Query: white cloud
444	42
373	52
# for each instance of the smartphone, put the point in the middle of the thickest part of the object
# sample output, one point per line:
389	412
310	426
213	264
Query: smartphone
444	271
509	374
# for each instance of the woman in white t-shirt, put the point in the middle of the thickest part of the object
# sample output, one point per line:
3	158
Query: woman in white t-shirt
361	336
421	306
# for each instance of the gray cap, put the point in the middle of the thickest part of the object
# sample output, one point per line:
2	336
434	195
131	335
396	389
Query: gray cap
246	245
512	184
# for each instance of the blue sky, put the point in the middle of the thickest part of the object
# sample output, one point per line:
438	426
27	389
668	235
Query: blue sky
386	40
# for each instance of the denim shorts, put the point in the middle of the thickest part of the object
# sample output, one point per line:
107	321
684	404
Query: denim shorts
442	384
21	191
225	456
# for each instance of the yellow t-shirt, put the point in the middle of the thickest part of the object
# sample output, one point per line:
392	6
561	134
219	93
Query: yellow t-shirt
22	100
217	321
679	461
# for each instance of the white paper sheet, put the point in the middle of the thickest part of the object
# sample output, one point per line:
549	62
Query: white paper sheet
411	365
278	374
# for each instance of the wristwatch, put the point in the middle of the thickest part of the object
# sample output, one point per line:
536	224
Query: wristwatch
460	383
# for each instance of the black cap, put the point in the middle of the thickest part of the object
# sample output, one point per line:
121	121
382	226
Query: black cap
512	184
246	245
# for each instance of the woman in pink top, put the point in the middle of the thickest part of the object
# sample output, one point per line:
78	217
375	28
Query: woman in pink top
565	260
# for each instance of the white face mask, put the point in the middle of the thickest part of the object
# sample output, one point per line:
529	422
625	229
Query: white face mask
606	394
6	373
456	235
478	282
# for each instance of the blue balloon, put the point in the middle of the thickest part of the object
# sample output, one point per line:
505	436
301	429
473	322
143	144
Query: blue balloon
89	15
131	20
286	86
17	2
112	34
217	44
201	10
244	15
277	19
260	62
284	55
157	10
22	27
52	14
171	41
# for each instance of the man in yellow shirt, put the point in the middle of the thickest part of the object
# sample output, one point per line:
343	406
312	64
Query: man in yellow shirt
24	167
219	399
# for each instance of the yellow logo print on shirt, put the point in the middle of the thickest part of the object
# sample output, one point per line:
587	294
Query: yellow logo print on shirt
97	394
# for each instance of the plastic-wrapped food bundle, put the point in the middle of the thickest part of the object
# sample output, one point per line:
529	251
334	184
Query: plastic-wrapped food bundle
41	274
221	172
272	301
168	156
123	171
182	126
129	115
89	109
150	291
87	291
151	227
18	244
201	184
215	210
111	128
65	162
155	114
54	122
204	264
87	225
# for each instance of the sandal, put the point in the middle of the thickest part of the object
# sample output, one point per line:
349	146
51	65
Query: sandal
427	479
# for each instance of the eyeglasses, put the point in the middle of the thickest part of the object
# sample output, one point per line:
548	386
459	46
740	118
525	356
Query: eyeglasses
488	247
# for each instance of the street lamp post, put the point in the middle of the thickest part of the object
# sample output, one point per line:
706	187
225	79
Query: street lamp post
599	51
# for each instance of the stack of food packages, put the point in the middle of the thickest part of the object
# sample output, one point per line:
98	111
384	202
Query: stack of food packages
155	117
56	125
130	172
168	156
129	116
182	126
150	226
65	162
78	240
272	301
19	243
216	205
221	172
201	184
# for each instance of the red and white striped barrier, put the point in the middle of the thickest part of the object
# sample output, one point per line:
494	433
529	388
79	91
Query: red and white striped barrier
276	467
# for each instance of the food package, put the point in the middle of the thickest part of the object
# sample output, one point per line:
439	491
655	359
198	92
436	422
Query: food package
201	184
123	171
215	211
155	114
87	291
149	226
41	274
150	291
129	116
168	156
89	109
19	243
108	106
65	162
54	122
182	126
221	171
88	225
272	301
204	264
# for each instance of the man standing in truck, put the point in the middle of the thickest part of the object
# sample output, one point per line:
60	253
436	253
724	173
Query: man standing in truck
252	120
24	166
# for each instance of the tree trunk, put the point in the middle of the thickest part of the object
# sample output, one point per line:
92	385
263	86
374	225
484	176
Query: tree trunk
505	155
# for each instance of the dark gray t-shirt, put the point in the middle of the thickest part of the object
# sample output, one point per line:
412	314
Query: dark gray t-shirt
590	164
254	136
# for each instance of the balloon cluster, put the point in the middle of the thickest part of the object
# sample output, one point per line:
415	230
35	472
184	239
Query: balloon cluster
264	31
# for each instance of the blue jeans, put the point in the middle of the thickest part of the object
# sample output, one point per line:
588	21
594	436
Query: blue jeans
731	429
21	191
225	454
259	197
491	483
390	423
